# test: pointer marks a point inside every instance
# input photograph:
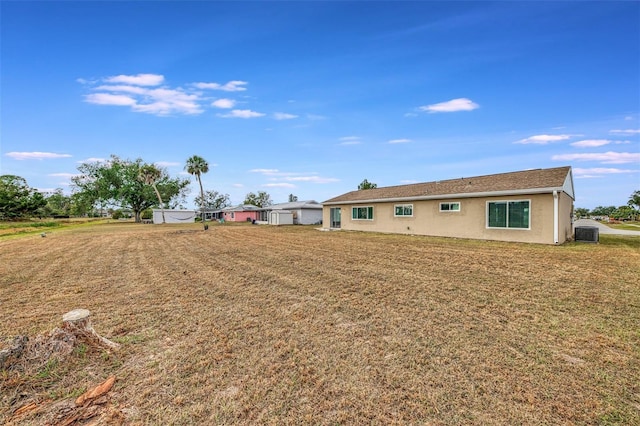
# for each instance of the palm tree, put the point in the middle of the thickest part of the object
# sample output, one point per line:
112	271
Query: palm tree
149	175
197	165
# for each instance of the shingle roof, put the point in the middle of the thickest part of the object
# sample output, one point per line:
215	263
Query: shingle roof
538	179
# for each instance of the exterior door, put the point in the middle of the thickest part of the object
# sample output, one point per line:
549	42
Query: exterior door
334	214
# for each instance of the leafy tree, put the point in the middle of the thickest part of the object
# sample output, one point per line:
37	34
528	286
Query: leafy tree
150	174
117	183
623	212
292	198
261	199
634	200
365	184
81	205
603	211
213	200
17	199
58	204
197	165
581	212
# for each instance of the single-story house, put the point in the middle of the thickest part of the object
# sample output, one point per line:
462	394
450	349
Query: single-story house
174	216
241	213
210	215
304	212
533	206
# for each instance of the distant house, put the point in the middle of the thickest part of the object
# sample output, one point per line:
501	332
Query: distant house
241	213
304	212
174	216
534	206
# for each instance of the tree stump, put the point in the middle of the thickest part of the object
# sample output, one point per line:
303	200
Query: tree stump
13	351
78	323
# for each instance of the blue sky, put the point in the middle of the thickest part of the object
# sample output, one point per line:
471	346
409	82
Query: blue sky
309	98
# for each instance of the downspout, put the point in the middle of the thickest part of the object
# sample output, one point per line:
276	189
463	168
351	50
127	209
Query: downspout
556	216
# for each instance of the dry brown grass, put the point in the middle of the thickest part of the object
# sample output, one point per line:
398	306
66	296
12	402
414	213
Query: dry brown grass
266	325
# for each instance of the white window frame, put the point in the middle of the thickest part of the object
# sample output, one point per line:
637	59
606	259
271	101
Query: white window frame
507	218
362	207
449	204
403	207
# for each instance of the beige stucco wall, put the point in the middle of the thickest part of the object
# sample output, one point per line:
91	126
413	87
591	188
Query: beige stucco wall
469	222
565	231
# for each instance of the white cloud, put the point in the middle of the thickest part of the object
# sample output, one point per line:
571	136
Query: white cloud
167	101
238	185
109	99
598	172
312	179
543	139
93	160
242	113
276	175
283	116
316	117
123	88
35	155
604	157
408	181
264	171
168	107
454	105
224	103
138	80
63	175
231	86
350	140
134	91
159	101
626	131
588	143
279	185
167	163
47	191
394	141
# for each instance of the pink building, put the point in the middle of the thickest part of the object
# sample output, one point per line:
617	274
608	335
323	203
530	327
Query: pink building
242	213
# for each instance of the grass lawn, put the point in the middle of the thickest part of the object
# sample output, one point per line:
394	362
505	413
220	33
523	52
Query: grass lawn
288	325
629	226
18	228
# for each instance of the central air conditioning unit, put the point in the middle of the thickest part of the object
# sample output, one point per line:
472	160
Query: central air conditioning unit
587	234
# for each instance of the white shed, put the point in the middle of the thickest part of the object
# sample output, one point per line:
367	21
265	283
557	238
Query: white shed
304	212
280	217
174	216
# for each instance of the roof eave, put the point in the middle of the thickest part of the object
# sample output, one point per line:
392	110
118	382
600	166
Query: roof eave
449	196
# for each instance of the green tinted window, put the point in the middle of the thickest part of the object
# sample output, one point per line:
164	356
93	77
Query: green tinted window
362	213
404	210
508	214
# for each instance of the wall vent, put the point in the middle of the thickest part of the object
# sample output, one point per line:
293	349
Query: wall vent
587	234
